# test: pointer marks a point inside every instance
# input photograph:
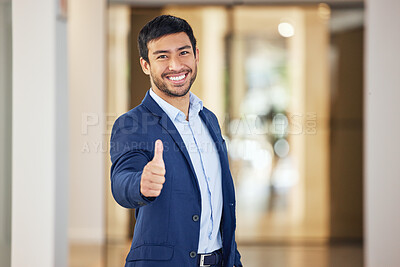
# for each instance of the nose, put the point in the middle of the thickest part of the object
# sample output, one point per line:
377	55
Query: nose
175	64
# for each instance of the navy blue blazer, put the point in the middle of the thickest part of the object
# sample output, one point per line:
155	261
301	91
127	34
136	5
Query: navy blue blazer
167	229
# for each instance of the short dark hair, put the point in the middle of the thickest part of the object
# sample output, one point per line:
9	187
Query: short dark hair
160	26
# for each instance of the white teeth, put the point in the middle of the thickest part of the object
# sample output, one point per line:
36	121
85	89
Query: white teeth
177	78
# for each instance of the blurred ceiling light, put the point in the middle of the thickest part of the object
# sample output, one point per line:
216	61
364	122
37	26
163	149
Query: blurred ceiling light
324	11
286	29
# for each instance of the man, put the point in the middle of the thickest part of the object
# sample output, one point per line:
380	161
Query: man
170	163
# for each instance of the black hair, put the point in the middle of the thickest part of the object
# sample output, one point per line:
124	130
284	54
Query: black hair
160	26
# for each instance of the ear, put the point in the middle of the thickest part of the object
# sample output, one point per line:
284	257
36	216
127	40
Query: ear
145	66
197	55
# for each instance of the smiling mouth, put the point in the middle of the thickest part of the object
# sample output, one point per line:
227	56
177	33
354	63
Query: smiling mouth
177	78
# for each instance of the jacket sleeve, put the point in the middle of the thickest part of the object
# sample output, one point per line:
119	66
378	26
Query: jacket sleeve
128	160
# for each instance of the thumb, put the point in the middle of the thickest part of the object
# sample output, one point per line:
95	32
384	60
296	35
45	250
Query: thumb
158	151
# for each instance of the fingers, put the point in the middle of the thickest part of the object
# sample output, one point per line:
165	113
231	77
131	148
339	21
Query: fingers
151	185
155	168
154	174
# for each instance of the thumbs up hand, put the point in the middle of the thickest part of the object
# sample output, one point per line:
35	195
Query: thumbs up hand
153	173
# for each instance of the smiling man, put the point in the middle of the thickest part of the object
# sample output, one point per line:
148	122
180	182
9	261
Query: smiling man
170	163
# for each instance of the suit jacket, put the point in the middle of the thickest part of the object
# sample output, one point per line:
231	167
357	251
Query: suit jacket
167	228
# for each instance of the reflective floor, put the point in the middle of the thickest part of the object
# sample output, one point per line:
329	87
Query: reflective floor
344	255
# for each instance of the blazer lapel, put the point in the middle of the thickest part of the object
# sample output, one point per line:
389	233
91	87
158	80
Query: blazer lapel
170	128
214	134
227	184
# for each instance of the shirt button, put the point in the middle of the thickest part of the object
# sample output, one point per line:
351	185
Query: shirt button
193	254
195	218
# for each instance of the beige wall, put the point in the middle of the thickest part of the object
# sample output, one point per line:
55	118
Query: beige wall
316	147
118	94
309	67
87	119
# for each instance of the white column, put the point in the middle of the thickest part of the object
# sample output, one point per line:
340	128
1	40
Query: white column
88	149
39	133
382	128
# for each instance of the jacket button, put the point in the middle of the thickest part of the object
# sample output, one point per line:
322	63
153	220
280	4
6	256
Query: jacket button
195	218
193	254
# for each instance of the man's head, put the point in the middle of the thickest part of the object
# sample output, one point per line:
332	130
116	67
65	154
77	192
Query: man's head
169	55
160	26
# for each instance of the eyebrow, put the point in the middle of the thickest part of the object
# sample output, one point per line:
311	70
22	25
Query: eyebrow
168	51
184	47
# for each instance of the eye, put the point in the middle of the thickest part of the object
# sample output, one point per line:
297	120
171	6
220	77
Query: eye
161	57
184	52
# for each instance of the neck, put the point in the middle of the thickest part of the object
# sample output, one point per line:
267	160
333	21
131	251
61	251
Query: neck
180	102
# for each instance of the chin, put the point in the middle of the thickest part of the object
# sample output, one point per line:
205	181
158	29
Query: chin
175	91
178	93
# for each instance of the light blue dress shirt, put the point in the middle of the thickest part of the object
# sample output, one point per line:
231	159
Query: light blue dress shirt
207	166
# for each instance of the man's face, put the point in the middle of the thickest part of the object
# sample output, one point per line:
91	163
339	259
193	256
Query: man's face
172	64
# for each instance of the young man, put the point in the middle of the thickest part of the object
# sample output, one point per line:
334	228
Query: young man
170	163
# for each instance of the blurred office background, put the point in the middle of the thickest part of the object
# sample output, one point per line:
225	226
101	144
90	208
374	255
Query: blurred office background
304	97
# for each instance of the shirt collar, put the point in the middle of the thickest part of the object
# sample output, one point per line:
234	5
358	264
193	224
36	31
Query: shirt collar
195	105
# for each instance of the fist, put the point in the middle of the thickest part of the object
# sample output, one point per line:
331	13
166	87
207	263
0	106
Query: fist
153	173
